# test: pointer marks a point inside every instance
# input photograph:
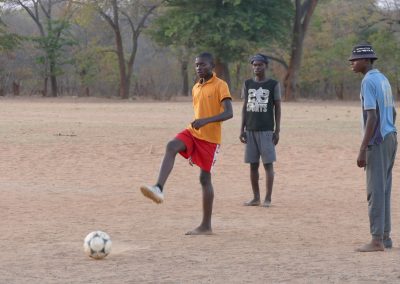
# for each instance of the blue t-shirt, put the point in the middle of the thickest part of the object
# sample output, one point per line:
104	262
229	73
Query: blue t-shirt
376	93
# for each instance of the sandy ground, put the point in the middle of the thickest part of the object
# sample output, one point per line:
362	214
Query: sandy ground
71	166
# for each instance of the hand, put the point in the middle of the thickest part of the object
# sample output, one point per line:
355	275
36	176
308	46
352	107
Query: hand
243	137
362	158
198	123
275	138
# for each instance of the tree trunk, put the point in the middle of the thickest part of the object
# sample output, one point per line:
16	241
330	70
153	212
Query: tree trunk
222	71
130	66
84	89
302	18
185	78
237	76
53	83
53	77
123	88
114	22
326	87
339	91
125	69
289	84
44	92
16	88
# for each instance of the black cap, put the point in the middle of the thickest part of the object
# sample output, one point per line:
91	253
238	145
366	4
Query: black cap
259	57
362	51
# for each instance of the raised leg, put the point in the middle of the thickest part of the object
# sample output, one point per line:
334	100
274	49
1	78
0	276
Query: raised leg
155	192
173	147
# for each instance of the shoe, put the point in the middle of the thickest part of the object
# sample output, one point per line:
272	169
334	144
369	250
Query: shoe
153	192
388	243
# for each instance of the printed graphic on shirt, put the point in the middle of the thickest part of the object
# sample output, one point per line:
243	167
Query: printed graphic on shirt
258	100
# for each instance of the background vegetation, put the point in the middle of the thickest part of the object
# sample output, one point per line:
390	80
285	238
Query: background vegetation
139	48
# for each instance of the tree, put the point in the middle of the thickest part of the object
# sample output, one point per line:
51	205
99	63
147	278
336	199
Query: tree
303	13
136	14
386	40
175	32
336	26
8	41
51	33
230	29
325	69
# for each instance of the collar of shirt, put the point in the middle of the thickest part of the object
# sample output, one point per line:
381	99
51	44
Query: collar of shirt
372	71
199	83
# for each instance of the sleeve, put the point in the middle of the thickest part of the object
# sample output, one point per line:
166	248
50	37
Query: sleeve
368	93
224	91
277	92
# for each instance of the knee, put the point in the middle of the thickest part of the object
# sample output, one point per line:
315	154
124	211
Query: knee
205	179
269	169
172	147
254	167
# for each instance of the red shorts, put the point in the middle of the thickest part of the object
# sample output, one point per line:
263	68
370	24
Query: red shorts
199	152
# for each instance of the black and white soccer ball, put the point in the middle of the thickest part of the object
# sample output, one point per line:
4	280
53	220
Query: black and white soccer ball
97	244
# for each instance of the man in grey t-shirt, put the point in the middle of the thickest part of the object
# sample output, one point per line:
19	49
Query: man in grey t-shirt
261	117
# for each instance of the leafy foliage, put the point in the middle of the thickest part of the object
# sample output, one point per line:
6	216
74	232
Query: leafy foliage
54	44
336	26
228	28
8	41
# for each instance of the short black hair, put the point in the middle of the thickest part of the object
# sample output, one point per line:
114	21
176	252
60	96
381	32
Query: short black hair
206	55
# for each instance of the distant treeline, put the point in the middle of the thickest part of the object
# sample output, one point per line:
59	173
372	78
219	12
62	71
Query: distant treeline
146	48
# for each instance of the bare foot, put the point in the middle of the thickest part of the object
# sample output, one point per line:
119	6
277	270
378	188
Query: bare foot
267	203
374	245
254	202
199	231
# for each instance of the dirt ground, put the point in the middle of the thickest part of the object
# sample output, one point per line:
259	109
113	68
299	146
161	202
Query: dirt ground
70	166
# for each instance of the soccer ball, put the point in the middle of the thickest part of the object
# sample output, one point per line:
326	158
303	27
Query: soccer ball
97	244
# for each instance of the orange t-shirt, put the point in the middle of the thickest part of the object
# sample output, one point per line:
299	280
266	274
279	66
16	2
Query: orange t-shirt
207	102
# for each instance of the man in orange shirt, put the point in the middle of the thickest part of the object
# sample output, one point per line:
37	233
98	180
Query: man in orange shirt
200	141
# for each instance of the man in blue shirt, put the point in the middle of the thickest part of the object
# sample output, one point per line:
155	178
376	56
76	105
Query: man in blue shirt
379	144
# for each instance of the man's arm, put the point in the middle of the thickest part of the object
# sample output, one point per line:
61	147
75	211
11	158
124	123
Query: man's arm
242	136
225	115
277	121
394	115
369	132
277	110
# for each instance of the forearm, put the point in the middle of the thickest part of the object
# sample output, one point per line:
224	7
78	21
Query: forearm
225	115
369	130
277	116
243	124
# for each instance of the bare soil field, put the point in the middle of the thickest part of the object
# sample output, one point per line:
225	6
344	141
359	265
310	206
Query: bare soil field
71	166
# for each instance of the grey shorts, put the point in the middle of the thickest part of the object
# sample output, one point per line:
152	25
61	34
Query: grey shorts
259	144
